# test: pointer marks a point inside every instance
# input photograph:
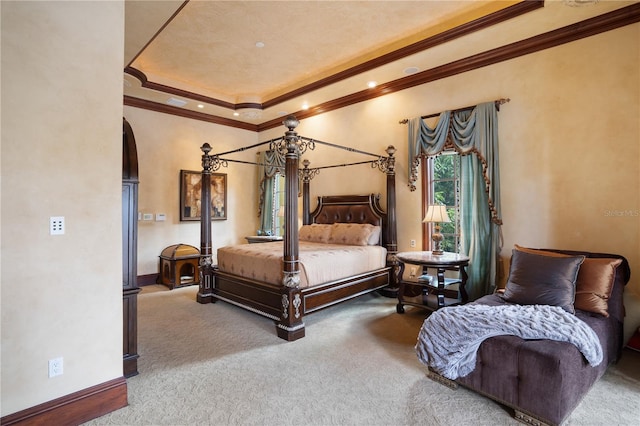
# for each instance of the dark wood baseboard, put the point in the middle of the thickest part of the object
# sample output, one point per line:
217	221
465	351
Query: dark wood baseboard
148	279
75	408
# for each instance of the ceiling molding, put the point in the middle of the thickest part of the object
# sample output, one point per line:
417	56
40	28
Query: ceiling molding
158	32
612	20
182	93
419	46
168	109
599	24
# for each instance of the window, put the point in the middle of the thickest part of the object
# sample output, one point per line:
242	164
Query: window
441	185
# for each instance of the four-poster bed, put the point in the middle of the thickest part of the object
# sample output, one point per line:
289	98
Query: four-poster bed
305	282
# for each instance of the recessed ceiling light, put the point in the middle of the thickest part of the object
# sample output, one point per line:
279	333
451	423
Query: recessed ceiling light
305	106
176	102
200	106
236	114
259	44
411	70
372	84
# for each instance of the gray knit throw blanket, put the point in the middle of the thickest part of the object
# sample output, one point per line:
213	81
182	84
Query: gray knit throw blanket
450	337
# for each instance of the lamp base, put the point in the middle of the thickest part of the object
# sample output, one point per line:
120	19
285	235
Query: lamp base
437	238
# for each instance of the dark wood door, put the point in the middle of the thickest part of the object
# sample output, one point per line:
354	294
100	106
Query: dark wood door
130	288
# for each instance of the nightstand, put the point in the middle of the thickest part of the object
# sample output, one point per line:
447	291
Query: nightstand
435	286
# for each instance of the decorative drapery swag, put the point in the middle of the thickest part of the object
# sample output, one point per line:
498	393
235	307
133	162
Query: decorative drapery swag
269	163
473	131
467	132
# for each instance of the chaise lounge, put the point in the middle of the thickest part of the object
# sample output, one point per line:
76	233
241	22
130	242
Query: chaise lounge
544	380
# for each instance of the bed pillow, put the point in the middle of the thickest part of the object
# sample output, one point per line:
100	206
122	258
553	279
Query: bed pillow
594	283
315	233
374	238
353	234
536	279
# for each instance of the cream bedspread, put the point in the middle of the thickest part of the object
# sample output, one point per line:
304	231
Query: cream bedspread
319	262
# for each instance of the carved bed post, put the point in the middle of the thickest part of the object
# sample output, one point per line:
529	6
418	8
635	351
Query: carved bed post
205	291
290	326
392	237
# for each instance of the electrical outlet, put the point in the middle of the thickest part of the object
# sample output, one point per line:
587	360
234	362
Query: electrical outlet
55	367
56	225
413	243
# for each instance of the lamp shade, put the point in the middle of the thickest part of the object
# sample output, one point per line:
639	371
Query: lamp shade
436	213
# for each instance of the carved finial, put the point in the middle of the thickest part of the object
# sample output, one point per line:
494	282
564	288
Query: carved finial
391	150
291	122
206	148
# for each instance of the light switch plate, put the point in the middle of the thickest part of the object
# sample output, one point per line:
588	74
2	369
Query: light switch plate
56	225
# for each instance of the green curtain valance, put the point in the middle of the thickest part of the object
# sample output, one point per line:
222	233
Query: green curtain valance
468	132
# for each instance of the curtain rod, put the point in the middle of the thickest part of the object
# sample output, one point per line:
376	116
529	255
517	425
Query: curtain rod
498	102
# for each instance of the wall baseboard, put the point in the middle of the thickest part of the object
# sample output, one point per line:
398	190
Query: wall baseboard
75	408
148	279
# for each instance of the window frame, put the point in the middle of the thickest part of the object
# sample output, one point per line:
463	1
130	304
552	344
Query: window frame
427	184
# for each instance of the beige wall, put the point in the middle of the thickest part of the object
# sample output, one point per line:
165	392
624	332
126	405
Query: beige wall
61	156
167	144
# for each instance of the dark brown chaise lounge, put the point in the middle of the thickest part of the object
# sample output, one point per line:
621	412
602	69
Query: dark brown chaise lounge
544	380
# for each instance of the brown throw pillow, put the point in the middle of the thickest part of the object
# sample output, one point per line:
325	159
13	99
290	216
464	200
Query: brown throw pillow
542	280
594	283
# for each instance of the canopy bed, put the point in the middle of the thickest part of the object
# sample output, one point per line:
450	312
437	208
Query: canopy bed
286	280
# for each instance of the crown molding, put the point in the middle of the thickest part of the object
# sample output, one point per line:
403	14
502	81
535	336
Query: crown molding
168	109
596	25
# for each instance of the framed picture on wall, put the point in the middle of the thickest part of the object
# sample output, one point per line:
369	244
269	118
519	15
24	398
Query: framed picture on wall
190	193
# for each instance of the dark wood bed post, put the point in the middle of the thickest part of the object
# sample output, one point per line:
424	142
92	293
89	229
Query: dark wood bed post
392	232
290	327
205	291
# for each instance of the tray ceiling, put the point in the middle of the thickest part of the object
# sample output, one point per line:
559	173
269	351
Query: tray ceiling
252	62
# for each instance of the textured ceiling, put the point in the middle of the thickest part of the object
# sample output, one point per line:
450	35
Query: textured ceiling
205	52
303	41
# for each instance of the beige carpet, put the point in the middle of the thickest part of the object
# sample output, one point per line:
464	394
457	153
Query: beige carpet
217	364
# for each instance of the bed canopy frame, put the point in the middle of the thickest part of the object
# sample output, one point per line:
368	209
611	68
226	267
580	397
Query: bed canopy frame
288	303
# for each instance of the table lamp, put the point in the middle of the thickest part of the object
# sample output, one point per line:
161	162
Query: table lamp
436	214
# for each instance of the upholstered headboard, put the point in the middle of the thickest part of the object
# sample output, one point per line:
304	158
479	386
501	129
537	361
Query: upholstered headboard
351	209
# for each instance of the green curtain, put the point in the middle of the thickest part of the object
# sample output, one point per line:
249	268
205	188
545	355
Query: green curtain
269	163
474	135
